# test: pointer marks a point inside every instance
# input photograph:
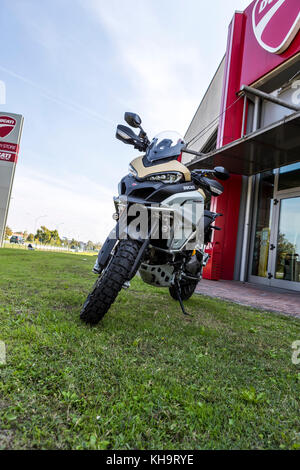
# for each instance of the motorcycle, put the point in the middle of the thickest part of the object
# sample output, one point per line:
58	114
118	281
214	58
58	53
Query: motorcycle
162	222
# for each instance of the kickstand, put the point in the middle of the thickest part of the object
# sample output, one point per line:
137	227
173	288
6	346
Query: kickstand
180	299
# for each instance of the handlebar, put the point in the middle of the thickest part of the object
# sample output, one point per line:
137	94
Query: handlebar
203	172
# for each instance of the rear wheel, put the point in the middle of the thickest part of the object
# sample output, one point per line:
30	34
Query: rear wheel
187	290
109	284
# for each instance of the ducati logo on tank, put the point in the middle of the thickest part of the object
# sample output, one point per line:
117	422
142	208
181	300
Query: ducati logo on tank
276	23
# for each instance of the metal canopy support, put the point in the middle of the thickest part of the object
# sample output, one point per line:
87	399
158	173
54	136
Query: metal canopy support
265	96
192	152
265	149
257	96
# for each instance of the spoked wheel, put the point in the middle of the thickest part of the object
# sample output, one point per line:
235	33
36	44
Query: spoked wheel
110	282
187	290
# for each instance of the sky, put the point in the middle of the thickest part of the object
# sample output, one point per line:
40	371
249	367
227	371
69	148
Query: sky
72	68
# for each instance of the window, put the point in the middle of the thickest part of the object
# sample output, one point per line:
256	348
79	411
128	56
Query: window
289	177
263	225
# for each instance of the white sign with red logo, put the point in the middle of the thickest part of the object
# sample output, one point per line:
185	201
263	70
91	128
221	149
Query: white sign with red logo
10	134
7	125
276	23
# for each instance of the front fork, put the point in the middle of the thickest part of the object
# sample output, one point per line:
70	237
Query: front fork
105	252
112	240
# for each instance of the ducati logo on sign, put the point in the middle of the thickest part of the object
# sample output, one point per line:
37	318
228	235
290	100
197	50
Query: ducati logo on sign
276	23
7	124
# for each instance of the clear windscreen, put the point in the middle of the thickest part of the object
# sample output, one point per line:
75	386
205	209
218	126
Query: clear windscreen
165	145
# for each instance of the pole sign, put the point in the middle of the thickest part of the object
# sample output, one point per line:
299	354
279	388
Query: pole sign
10	135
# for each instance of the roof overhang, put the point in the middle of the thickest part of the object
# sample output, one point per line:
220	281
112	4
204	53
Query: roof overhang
266	149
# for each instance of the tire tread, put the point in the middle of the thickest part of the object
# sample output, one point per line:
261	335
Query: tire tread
107	288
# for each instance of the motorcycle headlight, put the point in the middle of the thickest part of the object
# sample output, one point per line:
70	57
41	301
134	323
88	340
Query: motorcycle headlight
167	178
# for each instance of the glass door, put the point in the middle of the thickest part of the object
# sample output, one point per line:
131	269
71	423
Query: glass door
285	251
275	248
263	215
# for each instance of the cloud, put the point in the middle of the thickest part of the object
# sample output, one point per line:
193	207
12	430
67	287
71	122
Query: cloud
164	70
69	104
81	208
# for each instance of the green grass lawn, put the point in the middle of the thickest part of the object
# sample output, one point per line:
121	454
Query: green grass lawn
146	377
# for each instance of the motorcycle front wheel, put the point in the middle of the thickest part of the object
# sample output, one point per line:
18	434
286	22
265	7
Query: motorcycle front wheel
110	282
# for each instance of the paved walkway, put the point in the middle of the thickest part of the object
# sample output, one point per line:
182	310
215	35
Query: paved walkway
264	298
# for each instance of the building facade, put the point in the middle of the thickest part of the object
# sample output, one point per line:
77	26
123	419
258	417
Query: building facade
249	122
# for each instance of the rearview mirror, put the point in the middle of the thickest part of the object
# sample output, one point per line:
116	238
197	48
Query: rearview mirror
221	173
133	119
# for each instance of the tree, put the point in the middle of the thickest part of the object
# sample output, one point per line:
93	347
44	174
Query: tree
55	239
74	243
47	237
8	232
286	253
284	246
97	246
90	245
30	238
43	235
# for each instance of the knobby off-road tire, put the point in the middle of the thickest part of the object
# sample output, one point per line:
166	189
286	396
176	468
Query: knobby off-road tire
109	284
187	290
